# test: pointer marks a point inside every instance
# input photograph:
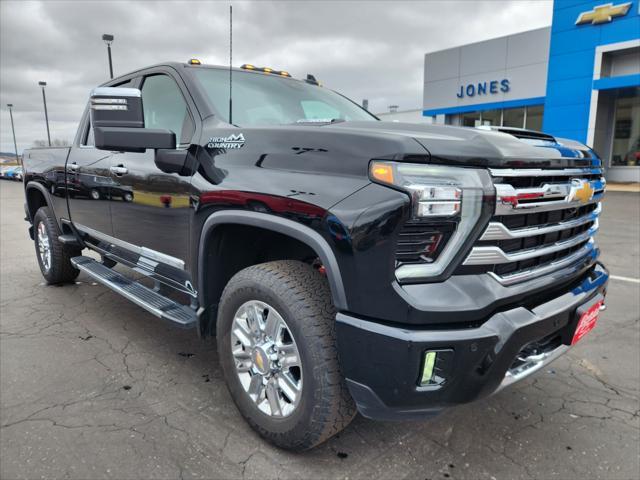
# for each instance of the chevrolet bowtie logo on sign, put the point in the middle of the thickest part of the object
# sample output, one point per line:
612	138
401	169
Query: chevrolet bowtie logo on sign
580	190
603	14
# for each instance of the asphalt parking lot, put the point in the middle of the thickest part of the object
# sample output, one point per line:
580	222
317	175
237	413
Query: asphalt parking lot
91	386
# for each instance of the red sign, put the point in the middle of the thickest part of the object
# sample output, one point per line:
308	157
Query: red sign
587	322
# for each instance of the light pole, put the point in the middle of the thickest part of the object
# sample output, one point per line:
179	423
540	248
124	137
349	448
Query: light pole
108	39
13	129
46	115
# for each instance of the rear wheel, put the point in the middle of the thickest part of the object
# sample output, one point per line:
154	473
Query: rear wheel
54	260
276	342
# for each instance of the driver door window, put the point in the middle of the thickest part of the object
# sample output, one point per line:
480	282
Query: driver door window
165	107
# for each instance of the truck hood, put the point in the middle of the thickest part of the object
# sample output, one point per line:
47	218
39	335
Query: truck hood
482	147
345	149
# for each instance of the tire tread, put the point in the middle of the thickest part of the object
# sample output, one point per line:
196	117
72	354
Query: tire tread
62	270
308	297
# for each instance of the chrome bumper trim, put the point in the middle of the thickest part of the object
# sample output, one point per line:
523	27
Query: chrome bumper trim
532	364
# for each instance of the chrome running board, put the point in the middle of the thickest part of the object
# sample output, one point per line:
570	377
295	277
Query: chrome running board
152	301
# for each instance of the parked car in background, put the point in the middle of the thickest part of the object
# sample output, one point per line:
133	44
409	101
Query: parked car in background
16	174
13	172
97	187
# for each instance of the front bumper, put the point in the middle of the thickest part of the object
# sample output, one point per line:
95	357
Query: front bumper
382	363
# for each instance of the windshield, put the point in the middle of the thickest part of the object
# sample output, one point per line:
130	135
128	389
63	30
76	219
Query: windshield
260	100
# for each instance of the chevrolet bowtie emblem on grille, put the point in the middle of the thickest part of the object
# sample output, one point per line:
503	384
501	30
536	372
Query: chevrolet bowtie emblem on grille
580	190
603	13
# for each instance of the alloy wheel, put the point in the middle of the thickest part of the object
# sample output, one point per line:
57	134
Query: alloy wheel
266	358
44	247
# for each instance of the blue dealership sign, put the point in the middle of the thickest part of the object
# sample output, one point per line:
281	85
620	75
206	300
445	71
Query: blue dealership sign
484	88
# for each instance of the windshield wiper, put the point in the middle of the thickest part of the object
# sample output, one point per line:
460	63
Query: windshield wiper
318	121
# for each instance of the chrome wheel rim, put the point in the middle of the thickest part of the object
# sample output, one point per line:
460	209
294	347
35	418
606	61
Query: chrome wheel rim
44	247
266	359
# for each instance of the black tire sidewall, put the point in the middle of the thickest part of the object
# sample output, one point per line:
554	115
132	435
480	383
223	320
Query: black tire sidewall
61	270
294	422
41	217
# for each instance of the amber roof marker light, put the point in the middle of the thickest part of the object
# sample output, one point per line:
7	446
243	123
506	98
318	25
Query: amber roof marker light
248	66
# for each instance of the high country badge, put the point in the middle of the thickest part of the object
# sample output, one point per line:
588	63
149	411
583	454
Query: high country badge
232	142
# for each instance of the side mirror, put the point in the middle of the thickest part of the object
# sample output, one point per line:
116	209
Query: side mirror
117	117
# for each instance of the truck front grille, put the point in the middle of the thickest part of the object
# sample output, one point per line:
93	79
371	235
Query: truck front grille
544	221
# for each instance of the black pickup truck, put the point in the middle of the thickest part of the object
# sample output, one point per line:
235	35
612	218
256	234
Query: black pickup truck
343	263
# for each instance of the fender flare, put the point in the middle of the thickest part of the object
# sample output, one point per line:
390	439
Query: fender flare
280	225
47	197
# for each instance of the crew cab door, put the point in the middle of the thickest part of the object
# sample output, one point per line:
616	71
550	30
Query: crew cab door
150	210
88	182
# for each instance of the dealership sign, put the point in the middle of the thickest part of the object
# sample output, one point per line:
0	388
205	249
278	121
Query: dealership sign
603	14
484	88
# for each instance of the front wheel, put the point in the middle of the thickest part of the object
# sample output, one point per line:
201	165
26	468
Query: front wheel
277	348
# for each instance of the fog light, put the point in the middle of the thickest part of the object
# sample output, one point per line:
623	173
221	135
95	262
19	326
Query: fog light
436	368
427	369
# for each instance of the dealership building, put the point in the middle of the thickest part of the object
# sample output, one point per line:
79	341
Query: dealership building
578	79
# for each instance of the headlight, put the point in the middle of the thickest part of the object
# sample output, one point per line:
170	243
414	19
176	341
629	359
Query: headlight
446	207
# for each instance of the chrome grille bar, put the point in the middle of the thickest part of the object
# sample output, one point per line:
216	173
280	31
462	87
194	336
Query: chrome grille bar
492	255
498	231
505	209
589	249
512	201
539	172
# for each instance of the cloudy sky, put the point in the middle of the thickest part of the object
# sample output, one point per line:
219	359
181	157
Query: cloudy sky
364	49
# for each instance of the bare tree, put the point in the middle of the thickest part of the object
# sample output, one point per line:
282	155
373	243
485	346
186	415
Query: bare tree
56	142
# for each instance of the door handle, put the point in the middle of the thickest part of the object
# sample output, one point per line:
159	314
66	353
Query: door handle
74	166
118	170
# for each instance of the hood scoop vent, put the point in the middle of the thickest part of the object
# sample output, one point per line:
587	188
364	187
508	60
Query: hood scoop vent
521	133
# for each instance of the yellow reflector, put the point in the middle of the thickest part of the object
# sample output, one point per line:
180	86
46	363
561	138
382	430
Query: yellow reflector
195	61
267	70
248	67
286	74
427	370
382	172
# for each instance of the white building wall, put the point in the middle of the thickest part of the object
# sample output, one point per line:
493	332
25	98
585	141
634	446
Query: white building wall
407	116
521	59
